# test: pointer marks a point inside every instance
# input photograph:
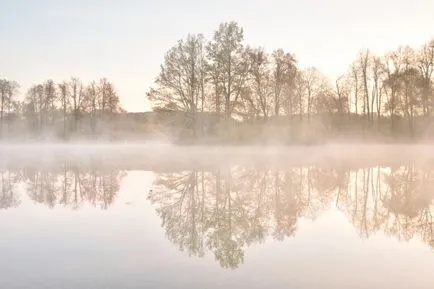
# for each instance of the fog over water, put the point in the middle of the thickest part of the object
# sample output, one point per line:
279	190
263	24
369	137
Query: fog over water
137	153
164	216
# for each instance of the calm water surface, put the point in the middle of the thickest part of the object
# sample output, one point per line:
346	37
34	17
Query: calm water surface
123	219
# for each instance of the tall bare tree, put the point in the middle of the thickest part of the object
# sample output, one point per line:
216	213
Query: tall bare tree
378	78
343	90
314	85
34	103
356	83
64	99
261	80
77	99
227	57
425	64
50	97
364	64
91	99
8	96
284	74
180	83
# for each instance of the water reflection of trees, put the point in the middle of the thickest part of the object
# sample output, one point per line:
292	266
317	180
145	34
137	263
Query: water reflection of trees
66	186
226	210
9	196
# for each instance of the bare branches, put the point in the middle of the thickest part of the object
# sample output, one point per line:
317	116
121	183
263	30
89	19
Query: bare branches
227	58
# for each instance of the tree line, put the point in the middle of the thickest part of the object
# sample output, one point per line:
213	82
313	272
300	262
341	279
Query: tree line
61	109
225	88
235	81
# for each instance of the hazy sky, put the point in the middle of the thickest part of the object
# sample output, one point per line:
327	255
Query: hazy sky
125	41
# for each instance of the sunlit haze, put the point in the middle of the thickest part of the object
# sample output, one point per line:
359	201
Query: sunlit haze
216	144
125	41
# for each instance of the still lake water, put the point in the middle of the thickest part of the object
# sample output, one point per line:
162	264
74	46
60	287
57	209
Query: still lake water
163	217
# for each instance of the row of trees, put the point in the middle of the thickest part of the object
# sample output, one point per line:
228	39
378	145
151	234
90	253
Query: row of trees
230	80
398	84
227	77
62	108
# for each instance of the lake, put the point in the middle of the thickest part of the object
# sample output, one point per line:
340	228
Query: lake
158	216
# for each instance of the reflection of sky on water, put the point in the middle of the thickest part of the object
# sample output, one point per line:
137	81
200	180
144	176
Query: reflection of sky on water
126	246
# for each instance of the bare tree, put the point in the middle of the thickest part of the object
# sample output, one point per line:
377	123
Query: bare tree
77	99
425	64
399	68
50	97
314	85
364	69
8	94
378	78
4	89
300	92
391	84
261	80
181	80
34	103
227	59
355	77
284	74
91	104
343	90
64	98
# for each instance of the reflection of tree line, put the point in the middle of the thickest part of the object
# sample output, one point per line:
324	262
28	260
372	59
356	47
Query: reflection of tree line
68	186
228	209
9	196
400	204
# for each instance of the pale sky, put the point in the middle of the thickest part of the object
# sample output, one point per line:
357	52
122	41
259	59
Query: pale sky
125	41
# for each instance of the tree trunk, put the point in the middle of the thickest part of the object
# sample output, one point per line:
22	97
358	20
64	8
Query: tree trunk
228	92
1	114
